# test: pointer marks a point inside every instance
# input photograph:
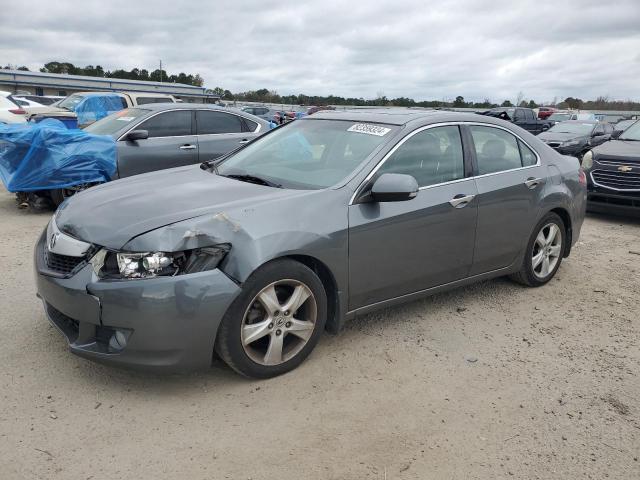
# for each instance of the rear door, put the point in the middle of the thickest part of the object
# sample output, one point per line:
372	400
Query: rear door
171	143
510	182
220	132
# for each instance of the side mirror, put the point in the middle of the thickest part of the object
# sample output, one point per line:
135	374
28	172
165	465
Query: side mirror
616	133
137	135
394	187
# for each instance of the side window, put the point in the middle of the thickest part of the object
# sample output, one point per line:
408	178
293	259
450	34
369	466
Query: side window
432	156
519	115
124	102
251	125
168	124
528	157
599	130
496	149
608	128
210	122
529	115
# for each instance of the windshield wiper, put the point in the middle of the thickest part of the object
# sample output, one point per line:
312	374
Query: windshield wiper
253	179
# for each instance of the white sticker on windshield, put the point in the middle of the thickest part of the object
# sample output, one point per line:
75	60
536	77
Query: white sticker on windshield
125	119
369	129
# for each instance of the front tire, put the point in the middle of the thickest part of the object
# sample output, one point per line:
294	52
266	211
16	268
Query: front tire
275	322
544	253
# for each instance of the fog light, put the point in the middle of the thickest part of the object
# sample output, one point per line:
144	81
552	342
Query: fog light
118	341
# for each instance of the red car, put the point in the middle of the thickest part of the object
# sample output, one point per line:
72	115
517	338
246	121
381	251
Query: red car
545	112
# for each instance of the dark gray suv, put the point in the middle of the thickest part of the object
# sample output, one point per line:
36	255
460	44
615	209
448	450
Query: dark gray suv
323	219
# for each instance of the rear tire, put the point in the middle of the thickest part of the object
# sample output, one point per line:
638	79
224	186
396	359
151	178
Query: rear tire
275	322
544	252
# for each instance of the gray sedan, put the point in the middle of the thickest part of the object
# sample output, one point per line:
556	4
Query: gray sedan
166	135
321	220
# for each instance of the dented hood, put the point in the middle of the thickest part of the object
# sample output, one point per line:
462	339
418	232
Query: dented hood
112	214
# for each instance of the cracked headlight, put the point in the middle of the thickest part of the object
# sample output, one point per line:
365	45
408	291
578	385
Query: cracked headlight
114	265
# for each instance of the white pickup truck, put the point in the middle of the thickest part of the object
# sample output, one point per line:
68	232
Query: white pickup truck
66	107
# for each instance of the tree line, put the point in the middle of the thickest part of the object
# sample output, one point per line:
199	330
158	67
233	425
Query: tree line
270	96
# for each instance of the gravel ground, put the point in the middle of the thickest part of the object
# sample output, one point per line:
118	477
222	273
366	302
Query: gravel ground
491	381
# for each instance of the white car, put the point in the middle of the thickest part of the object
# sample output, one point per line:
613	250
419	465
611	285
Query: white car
30	106
10	111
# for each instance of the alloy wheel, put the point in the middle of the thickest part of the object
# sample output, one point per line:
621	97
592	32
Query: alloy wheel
279	322
547	249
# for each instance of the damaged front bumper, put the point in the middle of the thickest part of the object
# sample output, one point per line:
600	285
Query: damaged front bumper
163	322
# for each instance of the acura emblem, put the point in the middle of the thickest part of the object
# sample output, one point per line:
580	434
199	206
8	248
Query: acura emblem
624	168
52	240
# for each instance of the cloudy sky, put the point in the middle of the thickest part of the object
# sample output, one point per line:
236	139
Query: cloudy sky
424	50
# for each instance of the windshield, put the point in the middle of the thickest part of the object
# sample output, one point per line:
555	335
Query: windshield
308	154
631	133
71	102
116	121
559	117
624	124
570	127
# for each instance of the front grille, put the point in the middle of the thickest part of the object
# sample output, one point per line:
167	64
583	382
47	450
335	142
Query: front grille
62	263
617	162
622	181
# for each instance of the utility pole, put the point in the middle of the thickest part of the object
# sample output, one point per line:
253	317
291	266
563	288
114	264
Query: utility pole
160	71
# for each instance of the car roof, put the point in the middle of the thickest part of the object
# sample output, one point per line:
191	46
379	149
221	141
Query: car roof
158	107
582	122
401	116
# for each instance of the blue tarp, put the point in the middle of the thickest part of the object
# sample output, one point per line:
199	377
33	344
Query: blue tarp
94	107
46	155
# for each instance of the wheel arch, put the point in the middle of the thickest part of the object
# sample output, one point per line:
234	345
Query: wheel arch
330	286
566	219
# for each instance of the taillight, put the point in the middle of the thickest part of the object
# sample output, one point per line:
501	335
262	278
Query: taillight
18	111
582	177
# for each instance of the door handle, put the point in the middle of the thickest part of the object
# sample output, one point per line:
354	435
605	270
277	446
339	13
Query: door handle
532	182
244	140
188	147
461	200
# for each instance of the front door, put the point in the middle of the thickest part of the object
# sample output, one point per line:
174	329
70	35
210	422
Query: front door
510	183
397	248
170	144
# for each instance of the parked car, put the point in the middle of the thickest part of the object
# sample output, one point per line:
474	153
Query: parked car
281	117
264	113
560	116
523	117
67	107
613	173
320	220
10	111
41	99
315	109
621	126
29	106
575	137
563	116
545	112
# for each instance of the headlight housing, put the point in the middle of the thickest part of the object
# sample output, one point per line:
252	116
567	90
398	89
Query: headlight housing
587	160
129	265
570	143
